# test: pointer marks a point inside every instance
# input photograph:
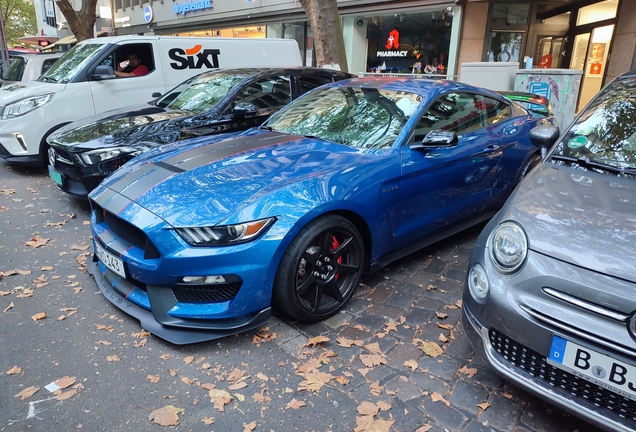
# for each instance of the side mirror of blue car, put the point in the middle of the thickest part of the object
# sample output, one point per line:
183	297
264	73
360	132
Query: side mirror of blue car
437	138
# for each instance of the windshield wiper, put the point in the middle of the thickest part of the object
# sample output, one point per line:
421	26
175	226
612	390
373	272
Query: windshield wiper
587	163
48	79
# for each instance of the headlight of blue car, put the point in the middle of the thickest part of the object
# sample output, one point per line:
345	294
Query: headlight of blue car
508	247
225	234
96	156
24	106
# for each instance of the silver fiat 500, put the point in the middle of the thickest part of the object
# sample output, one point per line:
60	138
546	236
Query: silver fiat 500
550	296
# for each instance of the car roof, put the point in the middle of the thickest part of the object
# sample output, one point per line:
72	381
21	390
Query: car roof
39	54
278	70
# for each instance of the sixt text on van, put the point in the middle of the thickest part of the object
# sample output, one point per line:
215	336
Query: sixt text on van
194	58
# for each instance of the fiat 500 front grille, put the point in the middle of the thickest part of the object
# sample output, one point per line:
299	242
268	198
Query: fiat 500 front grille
529	362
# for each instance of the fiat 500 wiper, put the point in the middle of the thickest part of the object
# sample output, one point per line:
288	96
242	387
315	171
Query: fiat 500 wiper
587	163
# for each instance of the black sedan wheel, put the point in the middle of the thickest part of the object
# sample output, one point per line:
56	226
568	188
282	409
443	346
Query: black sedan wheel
320	269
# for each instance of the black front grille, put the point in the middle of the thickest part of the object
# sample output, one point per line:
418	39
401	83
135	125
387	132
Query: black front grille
603	401
125	231
206	293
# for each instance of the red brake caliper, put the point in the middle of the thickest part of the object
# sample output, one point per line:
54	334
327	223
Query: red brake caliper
334	245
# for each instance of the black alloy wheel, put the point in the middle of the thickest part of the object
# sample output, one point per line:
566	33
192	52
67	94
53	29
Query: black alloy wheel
320	270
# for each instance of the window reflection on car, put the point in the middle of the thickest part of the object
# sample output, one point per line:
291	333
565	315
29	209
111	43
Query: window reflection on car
201	92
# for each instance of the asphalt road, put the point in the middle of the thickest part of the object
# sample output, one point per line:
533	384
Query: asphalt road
70	361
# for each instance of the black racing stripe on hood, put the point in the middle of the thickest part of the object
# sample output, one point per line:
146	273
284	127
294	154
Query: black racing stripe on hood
224	149
117	204
104	196
126	180
144	184
168	167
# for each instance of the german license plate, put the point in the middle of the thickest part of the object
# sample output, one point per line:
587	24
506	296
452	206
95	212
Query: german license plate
113	263
600	369
56	176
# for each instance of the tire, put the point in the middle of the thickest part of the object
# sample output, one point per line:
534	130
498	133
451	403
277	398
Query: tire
313	283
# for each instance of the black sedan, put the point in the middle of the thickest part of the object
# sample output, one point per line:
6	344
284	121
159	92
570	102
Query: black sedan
83	153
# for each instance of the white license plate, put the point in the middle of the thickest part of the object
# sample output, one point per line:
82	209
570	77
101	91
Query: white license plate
600	369
111	262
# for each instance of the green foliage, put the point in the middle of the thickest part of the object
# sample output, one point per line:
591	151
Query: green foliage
19	20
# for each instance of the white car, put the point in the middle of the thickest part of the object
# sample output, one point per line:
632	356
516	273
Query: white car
27	67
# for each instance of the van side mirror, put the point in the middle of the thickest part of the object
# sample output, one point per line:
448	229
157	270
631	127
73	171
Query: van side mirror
437	138
544	136
243	109
156	95
103	72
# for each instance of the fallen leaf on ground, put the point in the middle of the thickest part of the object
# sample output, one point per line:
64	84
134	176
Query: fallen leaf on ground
295	404
14	370
172	372
370	360
445	326
24	272
46	268
166	416
80	247
26	292
27	392
375	388
369	424
384	406
424	428
141	334
249	427
188	359
137	344
451	306
390	326
207	420
236	374
237	386
65	395
220	398
312	342
104	327
483	406
165	356
7	273
363	371
37	242
431	349
186	380
207	386
38	316
436	397
261	376
11	306
113	358
441	315
442	338
154	378
342	380
374	348
4	293
412	364
368	408
65	381
470	372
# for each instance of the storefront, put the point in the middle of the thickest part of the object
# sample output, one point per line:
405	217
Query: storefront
420	37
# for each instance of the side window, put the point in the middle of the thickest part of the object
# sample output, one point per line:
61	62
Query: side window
46	65
16	70
311	82
270	92
454	112
496	111
123	57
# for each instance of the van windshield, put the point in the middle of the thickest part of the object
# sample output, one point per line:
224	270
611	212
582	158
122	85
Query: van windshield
72	63
201	92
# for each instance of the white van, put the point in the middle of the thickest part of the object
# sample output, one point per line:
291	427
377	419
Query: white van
83	82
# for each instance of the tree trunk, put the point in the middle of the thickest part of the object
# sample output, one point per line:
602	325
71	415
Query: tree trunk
80	22
328	40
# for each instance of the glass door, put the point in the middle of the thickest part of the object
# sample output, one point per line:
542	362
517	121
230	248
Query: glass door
549	49
591	57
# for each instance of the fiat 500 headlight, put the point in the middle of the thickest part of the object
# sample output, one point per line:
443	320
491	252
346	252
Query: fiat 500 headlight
21	107
96	156
508	247
225	234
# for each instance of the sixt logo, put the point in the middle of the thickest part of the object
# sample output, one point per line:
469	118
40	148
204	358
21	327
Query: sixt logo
194	58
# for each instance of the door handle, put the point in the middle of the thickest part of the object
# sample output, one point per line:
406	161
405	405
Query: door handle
491	148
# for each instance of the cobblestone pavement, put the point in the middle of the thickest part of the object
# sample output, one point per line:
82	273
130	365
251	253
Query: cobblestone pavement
415	292
288	376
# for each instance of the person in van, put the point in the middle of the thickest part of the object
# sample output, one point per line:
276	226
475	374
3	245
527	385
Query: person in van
132	67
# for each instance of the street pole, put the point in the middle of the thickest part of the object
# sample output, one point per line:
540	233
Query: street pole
4	51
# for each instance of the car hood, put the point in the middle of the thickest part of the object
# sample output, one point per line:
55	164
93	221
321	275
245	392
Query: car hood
145	124
210	180
583	218
14	92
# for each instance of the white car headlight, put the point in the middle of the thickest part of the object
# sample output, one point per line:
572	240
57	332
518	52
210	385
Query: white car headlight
508	247
21	107
100	155
226	234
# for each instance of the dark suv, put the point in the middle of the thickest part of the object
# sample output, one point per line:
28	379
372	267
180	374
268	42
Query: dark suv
83	153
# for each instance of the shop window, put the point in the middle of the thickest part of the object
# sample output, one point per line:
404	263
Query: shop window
597	12
505	46
509	14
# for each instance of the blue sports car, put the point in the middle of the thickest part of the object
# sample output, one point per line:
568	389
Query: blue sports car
200	241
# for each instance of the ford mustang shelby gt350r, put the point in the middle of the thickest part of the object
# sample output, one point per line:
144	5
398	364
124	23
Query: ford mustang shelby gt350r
199	240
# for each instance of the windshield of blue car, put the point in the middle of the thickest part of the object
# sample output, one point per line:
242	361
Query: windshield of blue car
201	92
605	132
357	117
72	63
